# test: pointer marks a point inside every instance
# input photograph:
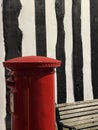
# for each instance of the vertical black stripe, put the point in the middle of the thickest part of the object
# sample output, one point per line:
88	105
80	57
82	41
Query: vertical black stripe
77	50
94	45
40	22
60	51
12	37
12	33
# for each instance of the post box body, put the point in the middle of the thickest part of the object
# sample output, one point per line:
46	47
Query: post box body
32	101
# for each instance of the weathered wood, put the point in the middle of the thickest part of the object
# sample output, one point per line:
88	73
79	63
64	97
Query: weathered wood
77	103
75	106
80	115
74	119
88	125
81	122
77	110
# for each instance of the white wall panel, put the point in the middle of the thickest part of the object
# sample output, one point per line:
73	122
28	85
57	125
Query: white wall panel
85	31
51	32
27	25
2	79
68	49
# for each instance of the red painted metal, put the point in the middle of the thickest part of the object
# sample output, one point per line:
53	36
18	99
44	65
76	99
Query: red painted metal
32	102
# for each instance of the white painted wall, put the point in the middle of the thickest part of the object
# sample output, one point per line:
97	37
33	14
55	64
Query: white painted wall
51	30
85	32
27	25
68	49
2	79
85	17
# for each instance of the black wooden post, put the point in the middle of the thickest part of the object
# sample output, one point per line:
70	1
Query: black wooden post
60	51
40	22
94	45
77	50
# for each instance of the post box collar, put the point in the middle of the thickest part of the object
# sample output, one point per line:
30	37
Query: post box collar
31	62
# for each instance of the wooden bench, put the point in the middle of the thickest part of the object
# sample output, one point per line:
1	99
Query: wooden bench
81	115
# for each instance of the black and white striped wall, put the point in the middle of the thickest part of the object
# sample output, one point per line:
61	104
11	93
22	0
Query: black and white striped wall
63	29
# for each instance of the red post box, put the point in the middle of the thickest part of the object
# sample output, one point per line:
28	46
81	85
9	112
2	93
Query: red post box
32	102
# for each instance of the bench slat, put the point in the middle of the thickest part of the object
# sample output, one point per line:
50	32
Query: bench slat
77	103
79	114
85	126
75	106
91	108
80	122
76	119
92	128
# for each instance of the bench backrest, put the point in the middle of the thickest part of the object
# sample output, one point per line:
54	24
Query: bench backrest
77	113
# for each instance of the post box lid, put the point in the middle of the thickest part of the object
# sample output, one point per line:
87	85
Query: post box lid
28	62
